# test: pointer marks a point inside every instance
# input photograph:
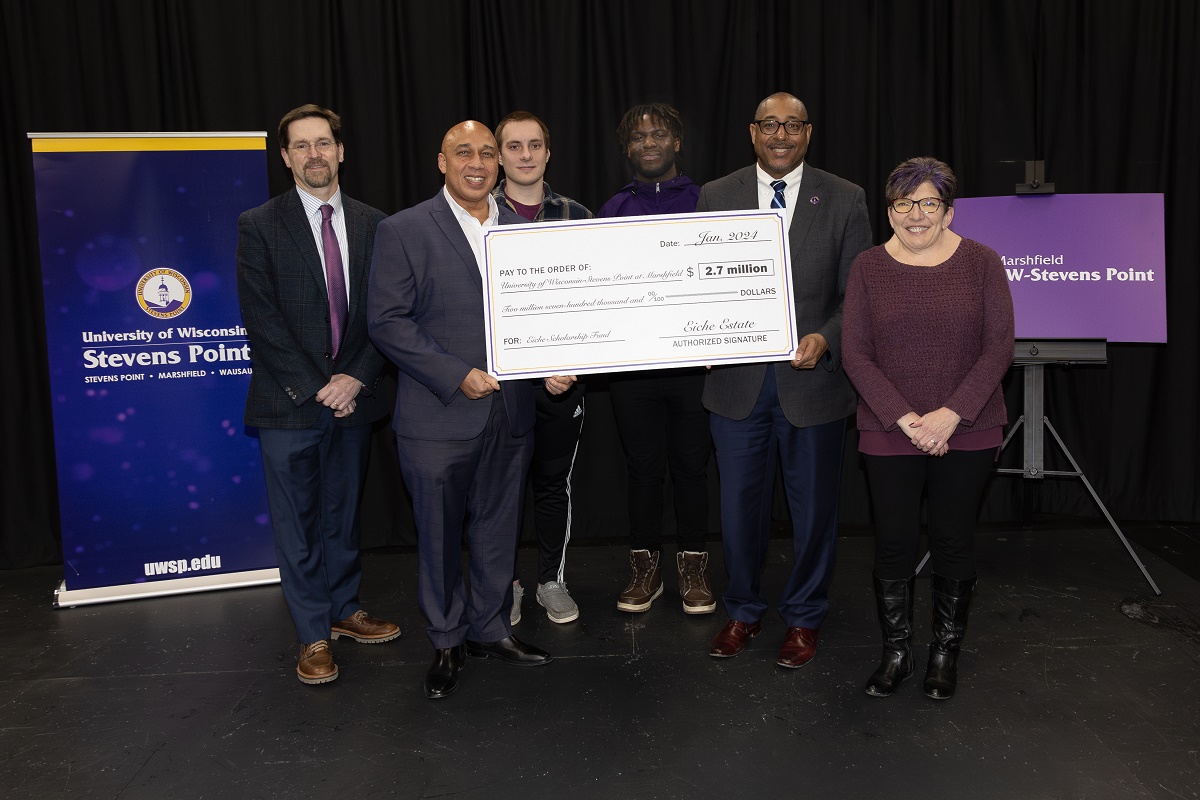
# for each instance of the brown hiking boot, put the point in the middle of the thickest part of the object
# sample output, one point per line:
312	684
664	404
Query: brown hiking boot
693	583
645	585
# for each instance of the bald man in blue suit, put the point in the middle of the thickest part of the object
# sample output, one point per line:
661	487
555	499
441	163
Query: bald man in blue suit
464	439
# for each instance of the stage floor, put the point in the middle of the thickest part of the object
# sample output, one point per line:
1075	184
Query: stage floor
1075	682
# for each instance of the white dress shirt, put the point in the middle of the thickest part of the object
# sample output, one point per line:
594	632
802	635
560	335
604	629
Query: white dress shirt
473	228
766	194
312	209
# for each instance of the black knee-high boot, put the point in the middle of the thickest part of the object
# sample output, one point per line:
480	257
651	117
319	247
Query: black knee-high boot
951	604
894	603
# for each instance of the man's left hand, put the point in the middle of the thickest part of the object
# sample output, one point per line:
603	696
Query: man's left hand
339	394
558	384
811	348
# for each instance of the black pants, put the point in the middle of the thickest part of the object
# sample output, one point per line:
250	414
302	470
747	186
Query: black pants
954	484
662	423
556	441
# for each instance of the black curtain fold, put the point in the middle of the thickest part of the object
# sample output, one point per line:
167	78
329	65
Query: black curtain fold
1105	92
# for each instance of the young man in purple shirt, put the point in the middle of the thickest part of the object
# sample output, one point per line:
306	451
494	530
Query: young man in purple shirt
658	412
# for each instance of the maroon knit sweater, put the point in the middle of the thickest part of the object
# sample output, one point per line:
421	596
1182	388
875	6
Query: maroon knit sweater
919	338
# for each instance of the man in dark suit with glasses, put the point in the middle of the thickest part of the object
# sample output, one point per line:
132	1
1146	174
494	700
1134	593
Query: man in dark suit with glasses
795	410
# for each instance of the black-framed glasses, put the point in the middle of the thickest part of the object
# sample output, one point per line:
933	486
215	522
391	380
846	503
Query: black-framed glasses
792	126
902	205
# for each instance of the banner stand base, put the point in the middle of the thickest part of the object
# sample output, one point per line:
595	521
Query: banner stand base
69	598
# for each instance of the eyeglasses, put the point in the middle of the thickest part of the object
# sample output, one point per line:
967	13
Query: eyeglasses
321	145
902	205
770	126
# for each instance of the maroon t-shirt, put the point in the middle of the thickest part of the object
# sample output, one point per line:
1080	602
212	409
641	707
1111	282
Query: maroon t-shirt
528	212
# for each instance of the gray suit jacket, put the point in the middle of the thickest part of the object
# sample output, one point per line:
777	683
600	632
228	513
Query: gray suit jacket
829	228
285	308
425	313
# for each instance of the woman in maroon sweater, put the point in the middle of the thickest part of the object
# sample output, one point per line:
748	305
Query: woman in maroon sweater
927	334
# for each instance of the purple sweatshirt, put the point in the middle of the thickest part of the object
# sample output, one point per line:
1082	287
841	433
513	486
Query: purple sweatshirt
637	199
919	338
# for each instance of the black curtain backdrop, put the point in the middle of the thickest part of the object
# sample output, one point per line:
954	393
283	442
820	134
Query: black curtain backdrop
1107	92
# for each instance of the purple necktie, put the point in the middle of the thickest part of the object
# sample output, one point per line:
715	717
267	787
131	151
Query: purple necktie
335	279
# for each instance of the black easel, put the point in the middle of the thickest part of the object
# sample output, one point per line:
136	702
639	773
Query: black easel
1033	357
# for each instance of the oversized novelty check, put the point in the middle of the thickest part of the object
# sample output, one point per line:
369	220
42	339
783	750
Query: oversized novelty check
631	293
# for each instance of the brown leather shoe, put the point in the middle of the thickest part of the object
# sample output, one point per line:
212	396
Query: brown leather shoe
693	583
316	663
732	638
362	627
799	647
645	584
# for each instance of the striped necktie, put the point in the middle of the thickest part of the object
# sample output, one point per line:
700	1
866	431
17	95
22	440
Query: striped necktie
777	200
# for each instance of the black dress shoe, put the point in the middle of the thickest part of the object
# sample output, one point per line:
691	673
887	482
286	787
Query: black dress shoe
511	651
442	677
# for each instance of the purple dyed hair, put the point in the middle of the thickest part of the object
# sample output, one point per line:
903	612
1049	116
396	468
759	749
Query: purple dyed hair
915	171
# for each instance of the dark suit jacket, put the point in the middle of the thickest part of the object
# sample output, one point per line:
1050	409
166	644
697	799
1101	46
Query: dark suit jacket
829	228
285	308
425	313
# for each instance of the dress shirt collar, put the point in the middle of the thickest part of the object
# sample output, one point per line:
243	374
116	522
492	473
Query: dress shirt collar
792	179
790	192
463	215
471	227
312	205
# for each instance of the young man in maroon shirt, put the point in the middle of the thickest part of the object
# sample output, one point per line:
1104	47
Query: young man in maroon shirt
524	154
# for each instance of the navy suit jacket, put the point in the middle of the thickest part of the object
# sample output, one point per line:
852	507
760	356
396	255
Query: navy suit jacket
830	227
285	308
425	313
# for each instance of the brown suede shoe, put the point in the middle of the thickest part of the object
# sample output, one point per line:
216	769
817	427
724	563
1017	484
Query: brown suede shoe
732	638
316	663
693	583
645	585
799	647
362	627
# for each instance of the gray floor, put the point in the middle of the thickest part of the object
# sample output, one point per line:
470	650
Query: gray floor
1075	683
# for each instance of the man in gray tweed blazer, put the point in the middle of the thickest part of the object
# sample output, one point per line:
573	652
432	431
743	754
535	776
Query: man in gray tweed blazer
312	396
795	410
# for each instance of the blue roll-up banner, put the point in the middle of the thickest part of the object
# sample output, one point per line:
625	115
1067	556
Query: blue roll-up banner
160	488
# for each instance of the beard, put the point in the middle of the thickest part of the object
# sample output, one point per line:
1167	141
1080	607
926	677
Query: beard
652	171
317	173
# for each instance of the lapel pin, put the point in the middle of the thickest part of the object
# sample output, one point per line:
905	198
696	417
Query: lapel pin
814	199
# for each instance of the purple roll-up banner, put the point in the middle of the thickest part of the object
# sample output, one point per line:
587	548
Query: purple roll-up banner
1080	266
161	490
